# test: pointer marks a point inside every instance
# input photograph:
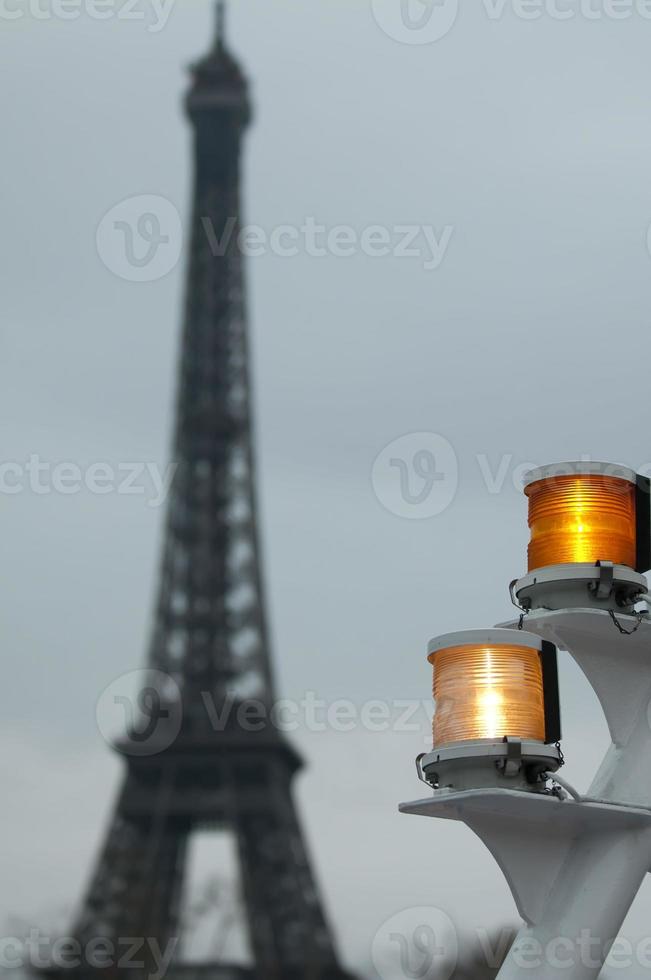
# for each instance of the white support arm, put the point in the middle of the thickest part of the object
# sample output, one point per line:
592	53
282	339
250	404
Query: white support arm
574	866
598	881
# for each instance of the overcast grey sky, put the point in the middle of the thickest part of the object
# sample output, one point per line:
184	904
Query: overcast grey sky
531	141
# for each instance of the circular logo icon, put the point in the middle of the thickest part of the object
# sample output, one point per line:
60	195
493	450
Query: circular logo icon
416	944
416	476
416	21
142	710
140	239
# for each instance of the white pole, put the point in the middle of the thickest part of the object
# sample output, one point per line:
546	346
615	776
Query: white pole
584	911
597	883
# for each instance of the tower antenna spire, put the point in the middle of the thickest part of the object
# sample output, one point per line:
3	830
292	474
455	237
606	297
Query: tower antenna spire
221	23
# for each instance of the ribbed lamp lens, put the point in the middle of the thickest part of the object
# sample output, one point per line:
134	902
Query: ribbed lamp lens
581	519
487	692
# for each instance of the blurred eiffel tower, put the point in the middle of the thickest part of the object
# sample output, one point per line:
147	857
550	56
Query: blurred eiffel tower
210	635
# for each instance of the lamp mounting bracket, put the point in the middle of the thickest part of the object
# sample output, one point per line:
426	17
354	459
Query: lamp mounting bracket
533	839
603	586
617	663
511	765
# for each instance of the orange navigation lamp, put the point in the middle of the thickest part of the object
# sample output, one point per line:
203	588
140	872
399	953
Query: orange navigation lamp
587	512
494	684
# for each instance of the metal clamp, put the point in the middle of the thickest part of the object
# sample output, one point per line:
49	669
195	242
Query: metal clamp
603	587
512	764
419	769
525	606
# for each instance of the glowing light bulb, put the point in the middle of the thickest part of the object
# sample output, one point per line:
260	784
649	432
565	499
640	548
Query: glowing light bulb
485	691
582	518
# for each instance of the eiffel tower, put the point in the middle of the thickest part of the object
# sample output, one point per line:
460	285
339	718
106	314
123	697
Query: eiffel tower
210	637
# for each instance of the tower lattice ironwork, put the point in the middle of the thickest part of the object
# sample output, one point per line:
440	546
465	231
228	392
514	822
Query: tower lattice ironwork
226	766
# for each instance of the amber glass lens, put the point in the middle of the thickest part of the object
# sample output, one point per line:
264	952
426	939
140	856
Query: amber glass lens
487	692
581	519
